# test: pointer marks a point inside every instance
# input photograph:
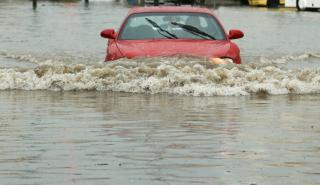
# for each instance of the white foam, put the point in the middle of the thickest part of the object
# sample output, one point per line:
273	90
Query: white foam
180	75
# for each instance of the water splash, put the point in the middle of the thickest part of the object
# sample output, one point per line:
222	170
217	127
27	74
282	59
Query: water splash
179	75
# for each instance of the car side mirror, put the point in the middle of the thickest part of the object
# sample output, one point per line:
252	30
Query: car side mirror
108	34
235	34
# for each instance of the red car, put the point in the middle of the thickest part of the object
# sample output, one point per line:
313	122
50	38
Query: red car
169	31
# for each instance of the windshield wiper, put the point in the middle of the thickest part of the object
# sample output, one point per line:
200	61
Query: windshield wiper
154	24
193	30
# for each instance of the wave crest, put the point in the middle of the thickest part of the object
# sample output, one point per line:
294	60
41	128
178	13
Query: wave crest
180	75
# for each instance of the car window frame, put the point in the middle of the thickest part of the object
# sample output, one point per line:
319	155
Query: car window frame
164	12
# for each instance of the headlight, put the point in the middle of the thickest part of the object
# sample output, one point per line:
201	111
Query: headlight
221	60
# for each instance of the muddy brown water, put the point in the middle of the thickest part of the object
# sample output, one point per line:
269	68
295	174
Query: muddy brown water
67	118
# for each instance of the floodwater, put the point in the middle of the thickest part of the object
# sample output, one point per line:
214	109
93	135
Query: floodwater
68	118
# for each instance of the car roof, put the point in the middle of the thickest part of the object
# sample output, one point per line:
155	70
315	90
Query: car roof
169	9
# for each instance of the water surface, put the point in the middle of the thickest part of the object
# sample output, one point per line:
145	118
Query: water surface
68	118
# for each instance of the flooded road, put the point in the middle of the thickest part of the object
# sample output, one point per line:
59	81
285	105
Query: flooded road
120	138
64	30
68	118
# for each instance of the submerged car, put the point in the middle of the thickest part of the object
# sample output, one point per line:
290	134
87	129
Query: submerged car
307	4
170	31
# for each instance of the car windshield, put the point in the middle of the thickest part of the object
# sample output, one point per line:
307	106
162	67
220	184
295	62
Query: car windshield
171	26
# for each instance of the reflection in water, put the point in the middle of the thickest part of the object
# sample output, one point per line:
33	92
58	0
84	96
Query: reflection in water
92	137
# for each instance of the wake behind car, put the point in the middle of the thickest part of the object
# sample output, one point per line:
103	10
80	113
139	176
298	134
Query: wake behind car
170	31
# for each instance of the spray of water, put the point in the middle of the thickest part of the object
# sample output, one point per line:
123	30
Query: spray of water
178	75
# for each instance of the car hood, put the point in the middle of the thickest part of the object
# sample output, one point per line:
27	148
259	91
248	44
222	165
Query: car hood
154	48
